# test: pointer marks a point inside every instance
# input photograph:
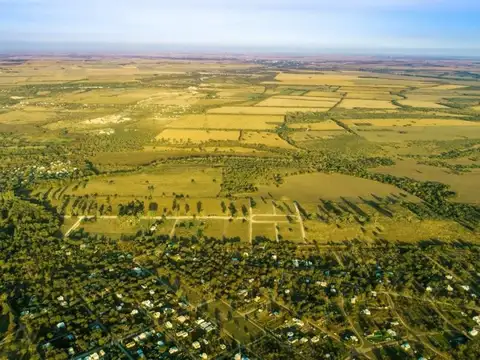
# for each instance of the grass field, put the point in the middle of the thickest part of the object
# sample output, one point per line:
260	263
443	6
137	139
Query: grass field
411	122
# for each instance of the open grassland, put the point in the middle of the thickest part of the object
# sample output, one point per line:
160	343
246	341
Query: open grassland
295	101
265	110
210	121
181	136
307	187
366	104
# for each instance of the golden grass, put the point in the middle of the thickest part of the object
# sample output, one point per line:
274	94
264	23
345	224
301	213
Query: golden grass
285	101
210	121
212	149
367	104
265	138
181	136
258	110
324	125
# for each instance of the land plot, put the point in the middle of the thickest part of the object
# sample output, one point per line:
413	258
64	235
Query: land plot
237	229
264	231
265	138
324	94
323	125
291	232
309	136
181	136
210	121
416	101
27	116
111	227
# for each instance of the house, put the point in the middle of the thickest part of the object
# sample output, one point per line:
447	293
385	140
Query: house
406	346
366	312
449	288
173	350
465	287
473	332
315	339
196	345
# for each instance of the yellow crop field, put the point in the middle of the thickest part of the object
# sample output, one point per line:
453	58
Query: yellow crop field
265	138
212	149
476	108
181	136
410	122
281	101
324	125
258	110
211	121
366	104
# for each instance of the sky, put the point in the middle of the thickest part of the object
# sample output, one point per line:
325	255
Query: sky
451	26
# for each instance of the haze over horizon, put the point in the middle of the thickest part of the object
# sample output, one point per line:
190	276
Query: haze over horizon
429	27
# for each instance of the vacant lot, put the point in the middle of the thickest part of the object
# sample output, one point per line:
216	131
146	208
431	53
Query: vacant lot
180	136
210	121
